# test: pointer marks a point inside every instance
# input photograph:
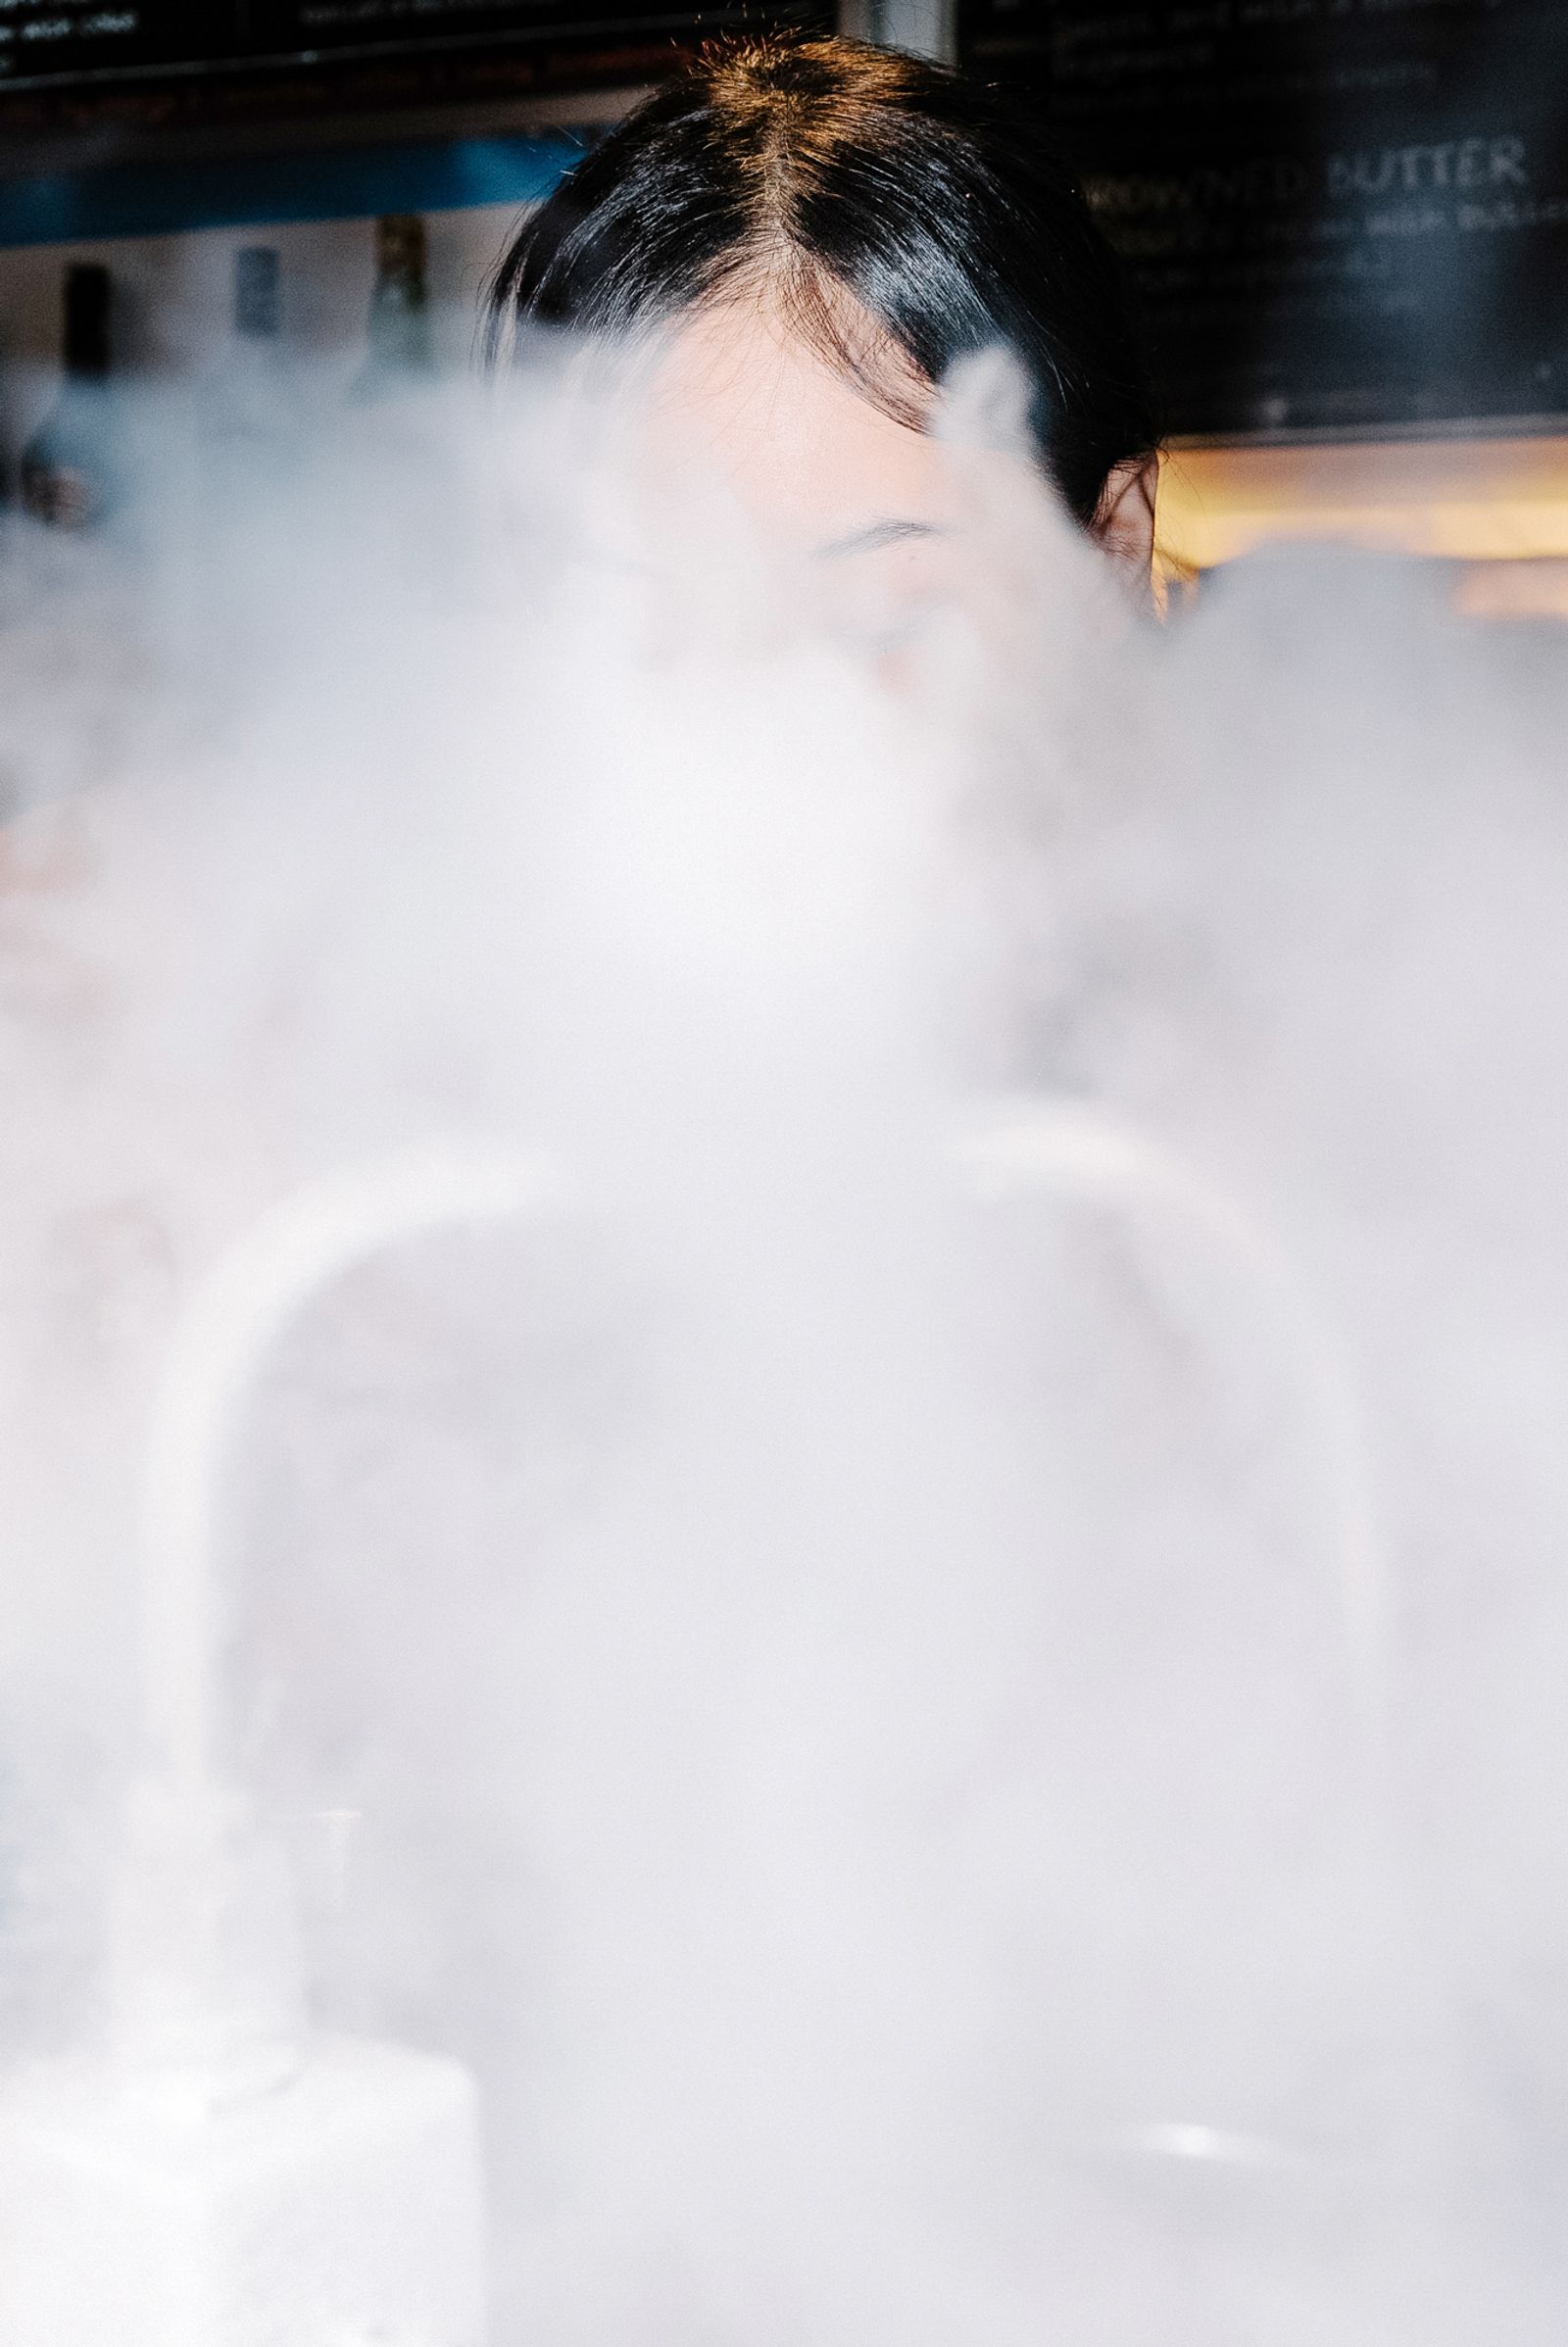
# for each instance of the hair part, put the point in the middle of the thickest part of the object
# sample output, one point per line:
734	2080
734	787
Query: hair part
849	189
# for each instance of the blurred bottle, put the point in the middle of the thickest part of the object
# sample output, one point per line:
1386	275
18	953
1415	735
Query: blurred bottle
67	472
400	355
252	406
8	481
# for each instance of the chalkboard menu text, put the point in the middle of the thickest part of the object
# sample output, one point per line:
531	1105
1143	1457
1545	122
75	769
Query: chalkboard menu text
1341	215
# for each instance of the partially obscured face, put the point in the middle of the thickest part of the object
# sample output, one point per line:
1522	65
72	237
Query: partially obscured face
760	477
856	505
751	470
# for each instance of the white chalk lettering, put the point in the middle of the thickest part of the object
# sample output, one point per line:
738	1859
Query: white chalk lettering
1424	169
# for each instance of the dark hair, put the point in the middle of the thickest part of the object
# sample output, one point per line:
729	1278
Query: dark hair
817	168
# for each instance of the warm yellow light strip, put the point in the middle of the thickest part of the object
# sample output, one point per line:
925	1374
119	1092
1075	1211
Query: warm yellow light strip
1467	500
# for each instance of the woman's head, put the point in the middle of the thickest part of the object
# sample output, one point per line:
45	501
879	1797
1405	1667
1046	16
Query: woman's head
825	220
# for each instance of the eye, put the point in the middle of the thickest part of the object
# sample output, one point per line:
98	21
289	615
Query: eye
877	594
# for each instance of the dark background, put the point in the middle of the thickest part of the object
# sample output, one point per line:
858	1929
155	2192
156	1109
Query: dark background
83	66
1343	215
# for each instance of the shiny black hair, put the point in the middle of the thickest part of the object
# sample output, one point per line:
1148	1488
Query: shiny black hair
811	169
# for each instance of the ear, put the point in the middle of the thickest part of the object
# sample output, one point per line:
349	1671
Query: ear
1124	519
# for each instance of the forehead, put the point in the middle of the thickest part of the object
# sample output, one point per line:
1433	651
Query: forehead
756	411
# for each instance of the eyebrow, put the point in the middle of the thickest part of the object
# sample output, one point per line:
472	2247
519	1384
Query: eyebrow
875	536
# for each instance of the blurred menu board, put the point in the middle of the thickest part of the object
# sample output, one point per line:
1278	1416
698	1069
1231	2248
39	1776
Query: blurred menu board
64	60
1342	216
